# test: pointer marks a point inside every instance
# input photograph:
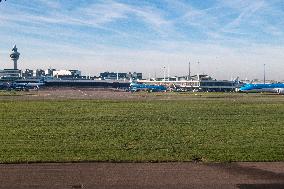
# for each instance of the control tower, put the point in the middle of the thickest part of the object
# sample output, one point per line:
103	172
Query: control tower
15	57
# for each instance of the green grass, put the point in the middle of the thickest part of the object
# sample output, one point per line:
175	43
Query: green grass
9	93
217	128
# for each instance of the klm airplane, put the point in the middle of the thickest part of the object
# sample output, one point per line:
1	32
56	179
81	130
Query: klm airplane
151	88
24	86
274	88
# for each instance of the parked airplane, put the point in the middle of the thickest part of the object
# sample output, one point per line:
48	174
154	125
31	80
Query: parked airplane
4	85
274	88
25	86
151	88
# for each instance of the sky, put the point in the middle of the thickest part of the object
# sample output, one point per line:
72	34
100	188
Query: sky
222	38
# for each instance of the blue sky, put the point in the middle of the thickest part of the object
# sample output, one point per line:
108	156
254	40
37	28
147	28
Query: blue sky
228	38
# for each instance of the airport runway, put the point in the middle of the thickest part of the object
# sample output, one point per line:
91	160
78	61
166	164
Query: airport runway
143	175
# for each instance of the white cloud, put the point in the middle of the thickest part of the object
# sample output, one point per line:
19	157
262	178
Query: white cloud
64	38
247	10
55	4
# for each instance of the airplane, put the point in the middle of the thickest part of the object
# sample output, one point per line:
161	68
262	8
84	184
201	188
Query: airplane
4	86
1	1
134	87
273	87
25	86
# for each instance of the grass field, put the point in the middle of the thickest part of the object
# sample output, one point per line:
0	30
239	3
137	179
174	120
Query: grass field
206	127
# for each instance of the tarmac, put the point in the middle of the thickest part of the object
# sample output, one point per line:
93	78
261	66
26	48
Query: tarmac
143	175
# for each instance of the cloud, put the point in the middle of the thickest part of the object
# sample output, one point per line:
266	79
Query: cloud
50	4
246	12
227	37
99	15
112	11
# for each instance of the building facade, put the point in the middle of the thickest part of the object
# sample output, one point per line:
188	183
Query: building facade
10	74
120	76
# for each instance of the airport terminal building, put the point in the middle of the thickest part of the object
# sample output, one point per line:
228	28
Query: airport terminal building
202	83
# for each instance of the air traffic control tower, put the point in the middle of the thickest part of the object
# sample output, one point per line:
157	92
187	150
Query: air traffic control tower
15	57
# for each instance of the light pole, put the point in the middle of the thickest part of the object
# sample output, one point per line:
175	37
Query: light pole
188	70
168	73
164	73
264	73
198	74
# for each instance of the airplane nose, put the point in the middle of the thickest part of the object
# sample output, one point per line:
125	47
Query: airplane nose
242	90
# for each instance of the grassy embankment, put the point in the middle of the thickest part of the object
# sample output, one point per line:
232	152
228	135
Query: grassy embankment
209	129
